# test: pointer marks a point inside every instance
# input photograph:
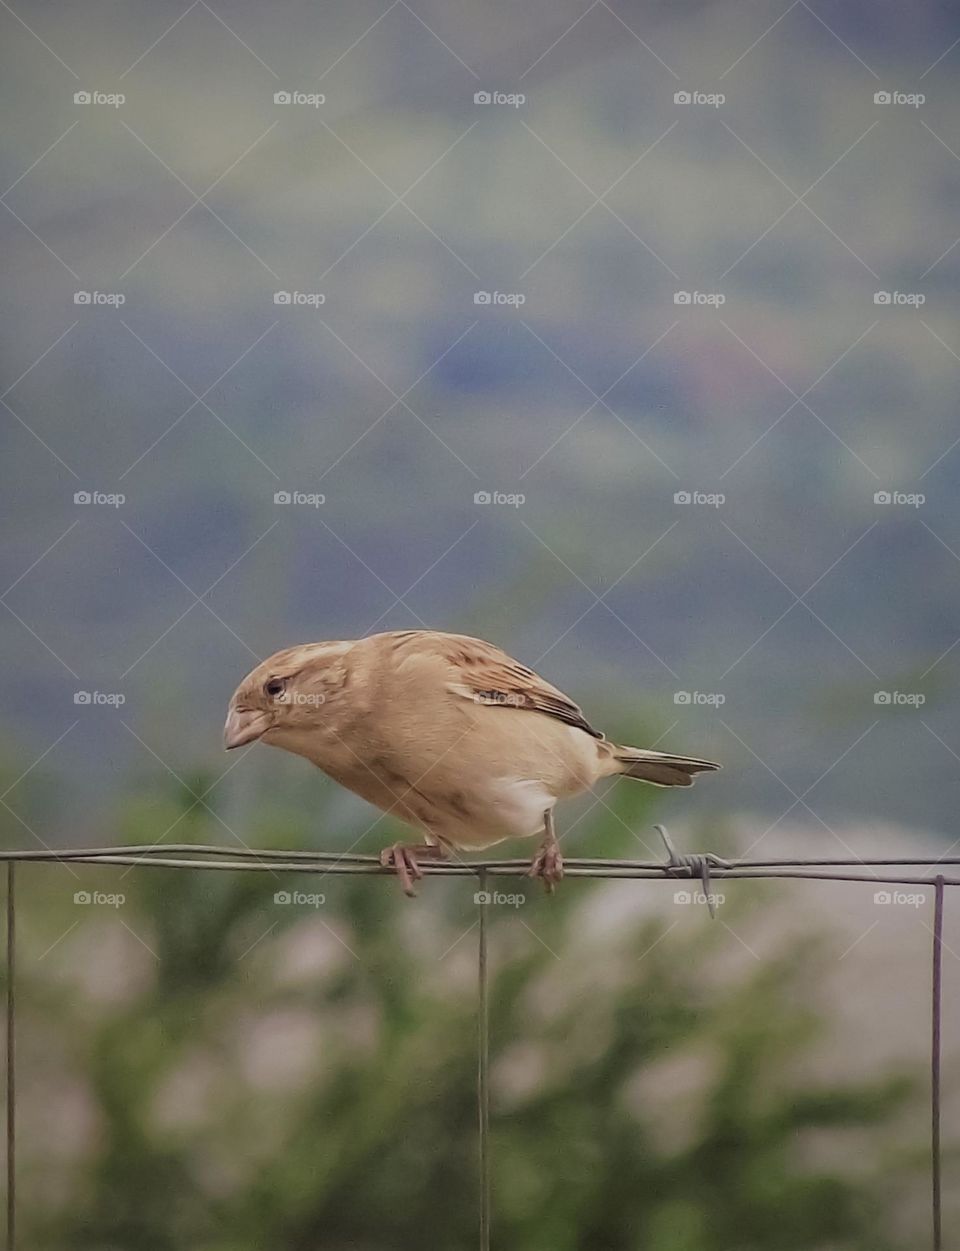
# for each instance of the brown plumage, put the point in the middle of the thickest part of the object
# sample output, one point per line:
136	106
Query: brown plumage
445	731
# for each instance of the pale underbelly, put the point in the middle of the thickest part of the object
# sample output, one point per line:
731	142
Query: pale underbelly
469	818
508	808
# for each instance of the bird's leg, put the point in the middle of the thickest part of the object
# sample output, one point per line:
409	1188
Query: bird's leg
547	864
402	858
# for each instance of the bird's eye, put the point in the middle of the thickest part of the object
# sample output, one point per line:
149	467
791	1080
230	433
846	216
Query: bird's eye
274	686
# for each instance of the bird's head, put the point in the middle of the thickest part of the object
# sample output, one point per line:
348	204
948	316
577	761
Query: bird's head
285	696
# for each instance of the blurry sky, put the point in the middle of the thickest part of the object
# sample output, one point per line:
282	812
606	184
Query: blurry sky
695	458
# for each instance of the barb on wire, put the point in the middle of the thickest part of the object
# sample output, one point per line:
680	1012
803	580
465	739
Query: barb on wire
696	864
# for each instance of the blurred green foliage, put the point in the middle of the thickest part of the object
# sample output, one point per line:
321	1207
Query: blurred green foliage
641	1097
202	1129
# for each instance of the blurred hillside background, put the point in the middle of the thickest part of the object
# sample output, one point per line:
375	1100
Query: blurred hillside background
597	399
514	468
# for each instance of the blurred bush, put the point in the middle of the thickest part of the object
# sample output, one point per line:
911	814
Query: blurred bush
203	1067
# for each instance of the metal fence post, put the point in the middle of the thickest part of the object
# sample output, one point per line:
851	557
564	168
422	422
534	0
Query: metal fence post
483	1068
11	1059
935	1053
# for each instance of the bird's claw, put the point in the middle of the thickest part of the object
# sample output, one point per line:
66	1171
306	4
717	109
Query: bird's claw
403	861
547	865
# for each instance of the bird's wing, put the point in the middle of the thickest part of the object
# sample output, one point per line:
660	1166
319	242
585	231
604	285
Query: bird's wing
484	674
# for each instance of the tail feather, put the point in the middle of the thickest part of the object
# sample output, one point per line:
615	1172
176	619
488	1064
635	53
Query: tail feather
659	768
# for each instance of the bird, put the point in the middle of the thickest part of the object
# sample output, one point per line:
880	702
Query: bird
447	732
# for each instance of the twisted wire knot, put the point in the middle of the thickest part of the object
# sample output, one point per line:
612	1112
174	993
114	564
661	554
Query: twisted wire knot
692	864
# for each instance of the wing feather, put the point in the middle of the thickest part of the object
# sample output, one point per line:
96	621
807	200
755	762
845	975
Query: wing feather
486	675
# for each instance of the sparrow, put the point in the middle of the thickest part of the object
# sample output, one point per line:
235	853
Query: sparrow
447	732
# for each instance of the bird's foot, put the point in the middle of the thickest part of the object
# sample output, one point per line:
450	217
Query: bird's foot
547	865
402	858
403	861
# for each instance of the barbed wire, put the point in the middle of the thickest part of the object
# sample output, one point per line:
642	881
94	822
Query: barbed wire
705	866
288	860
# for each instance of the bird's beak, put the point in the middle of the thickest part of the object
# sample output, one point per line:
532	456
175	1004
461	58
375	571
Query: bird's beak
244	725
